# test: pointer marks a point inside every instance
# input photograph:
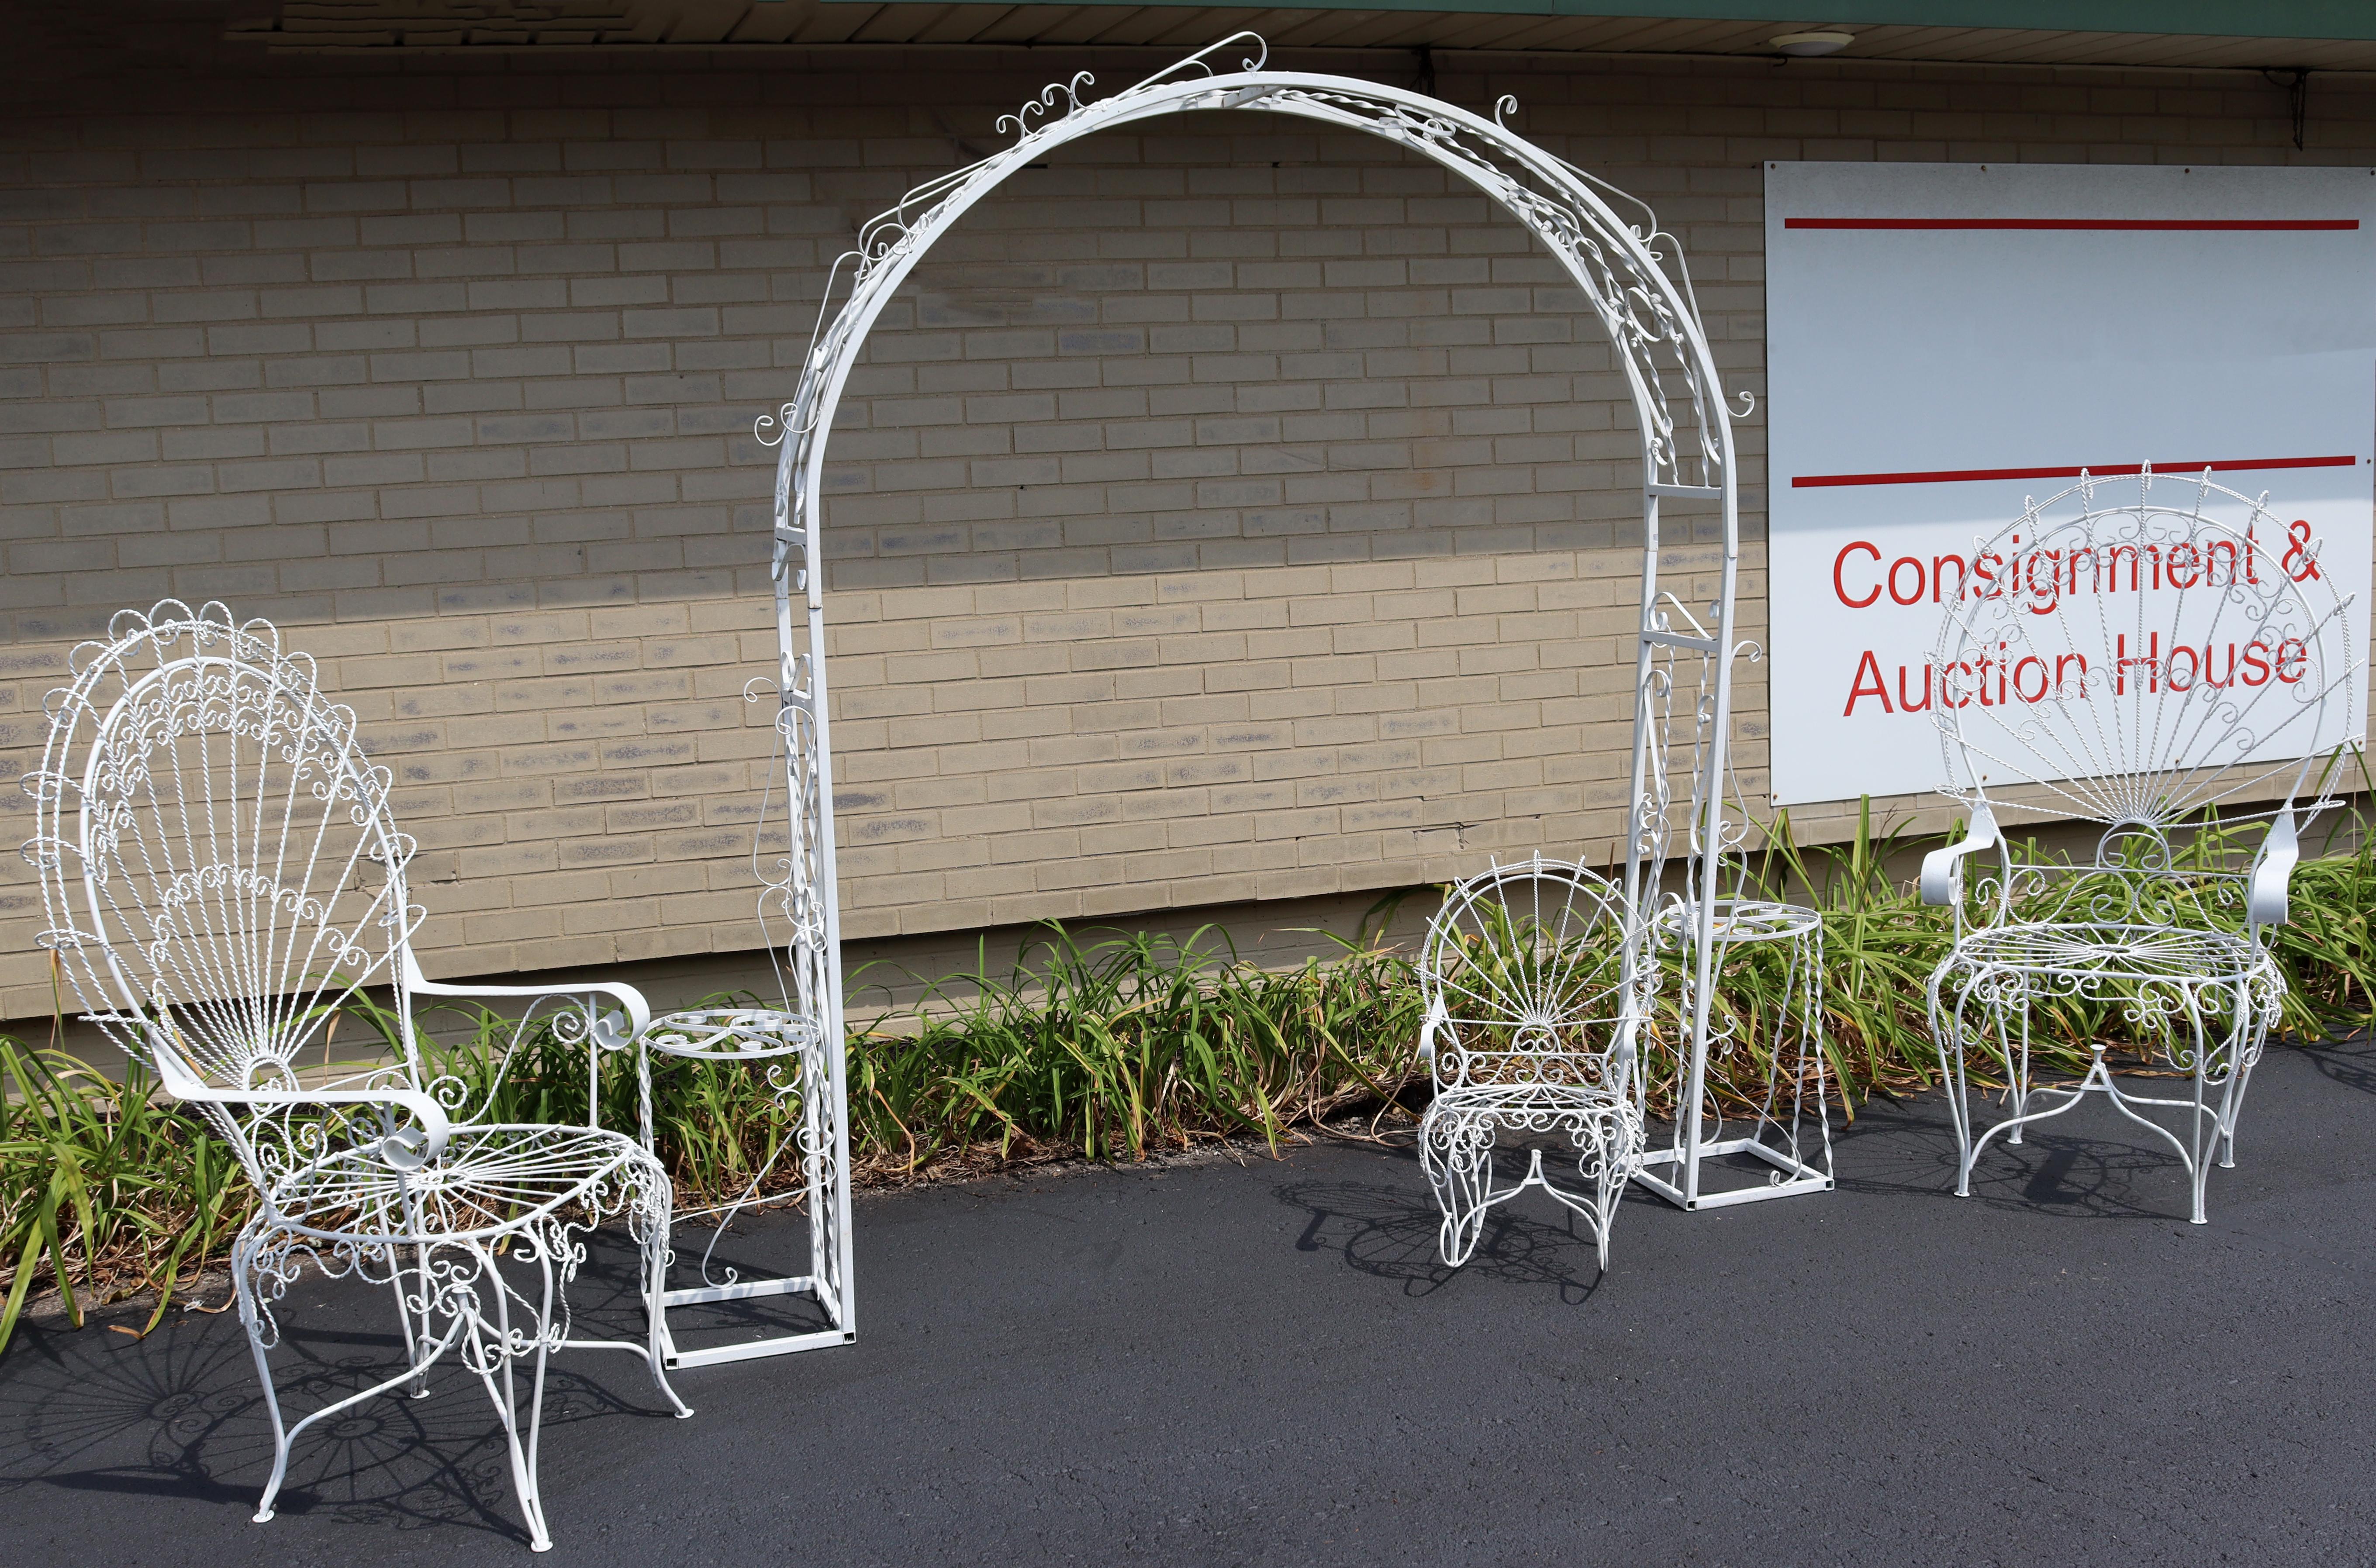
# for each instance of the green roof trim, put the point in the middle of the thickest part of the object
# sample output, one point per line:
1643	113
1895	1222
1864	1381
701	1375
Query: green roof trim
2343	20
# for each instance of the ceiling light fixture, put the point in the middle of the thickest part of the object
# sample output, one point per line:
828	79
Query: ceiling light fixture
1806	45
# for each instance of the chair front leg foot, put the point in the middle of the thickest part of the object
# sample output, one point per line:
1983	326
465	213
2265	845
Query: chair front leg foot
256	1318
655	1267
417	1337
1612	1187
1608	1161
1458	1157
1464	1215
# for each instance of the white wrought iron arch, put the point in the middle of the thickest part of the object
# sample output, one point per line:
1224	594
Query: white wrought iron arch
1650	316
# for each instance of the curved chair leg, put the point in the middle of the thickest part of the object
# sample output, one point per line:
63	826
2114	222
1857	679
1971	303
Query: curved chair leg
251	1317
492	1351
2234	1107
416	1335
1459	1158
2017	1066
2252	1031
1608	1187
1947	1033
2206	1151
657	1255
421	1354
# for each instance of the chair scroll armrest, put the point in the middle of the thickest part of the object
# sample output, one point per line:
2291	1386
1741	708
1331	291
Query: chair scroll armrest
610	1035
2267	902
404	1148
1939	866
1436	1018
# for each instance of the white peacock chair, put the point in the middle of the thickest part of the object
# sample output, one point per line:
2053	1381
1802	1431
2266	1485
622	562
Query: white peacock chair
1530	978
2174	674
221	874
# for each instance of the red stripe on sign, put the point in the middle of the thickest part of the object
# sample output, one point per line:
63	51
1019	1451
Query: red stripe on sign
2229	225
2113	470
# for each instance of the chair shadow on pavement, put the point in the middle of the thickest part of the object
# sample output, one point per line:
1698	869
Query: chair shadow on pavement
2093	1163
2350	1061
180	1414
1388	1229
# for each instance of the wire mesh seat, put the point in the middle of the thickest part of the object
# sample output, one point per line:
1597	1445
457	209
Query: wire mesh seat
1532	1008
480	1186
2151	671
220	875
2114	952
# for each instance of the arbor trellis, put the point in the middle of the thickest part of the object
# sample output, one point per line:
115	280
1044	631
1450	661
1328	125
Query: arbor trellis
1652	322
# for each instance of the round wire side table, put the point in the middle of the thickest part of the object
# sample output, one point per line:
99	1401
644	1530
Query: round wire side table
1791	1135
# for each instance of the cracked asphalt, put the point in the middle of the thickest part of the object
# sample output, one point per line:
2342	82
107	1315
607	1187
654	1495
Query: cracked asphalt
1264	1364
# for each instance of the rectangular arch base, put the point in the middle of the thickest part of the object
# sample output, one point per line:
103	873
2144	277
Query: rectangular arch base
1797	1175
745	1349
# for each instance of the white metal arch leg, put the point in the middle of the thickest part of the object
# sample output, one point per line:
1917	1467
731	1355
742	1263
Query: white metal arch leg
796	1047
1712	923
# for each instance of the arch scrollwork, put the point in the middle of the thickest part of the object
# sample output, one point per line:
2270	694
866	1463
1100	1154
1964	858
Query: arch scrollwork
1628	269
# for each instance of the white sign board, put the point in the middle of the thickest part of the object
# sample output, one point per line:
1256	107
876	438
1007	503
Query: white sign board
1947	340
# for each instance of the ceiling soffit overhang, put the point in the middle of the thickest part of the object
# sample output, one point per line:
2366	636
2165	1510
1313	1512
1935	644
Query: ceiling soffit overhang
2197	34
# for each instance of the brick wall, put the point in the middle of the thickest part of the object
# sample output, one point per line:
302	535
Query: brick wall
1227	512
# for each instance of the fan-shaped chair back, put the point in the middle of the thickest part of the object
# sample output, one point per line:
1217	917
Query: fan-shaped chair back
2134	661
218	870
2158	663
1527	977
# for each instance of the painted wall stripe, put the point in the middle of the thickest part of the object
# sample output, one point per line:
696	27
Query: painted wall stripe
2107	470
2221	225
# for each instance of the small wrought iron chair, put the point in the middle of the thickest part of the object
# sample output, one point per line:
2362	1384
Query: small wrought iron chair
2158	715
1533	1003
220	875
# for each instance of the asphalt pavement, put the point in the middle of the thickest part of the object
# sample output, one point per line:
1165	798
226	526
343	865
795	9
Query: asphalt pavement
1264	1363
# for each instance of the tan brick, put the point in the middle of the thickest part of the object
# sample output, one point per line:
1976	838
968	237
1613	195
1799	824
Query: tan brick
1213	525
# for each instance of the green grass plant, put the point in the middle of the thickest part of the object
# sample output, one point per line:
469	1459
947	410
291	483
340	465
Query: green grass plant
104	1187
1120	1046
1108	1045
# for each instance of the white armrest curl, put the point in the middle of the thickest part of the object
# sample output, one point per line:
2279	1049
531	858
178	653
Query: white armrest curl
2266	903
1436	1017
609	1035
1939	865
408	1148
